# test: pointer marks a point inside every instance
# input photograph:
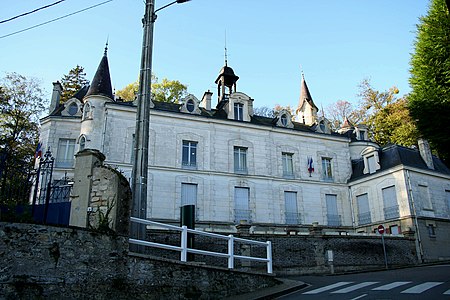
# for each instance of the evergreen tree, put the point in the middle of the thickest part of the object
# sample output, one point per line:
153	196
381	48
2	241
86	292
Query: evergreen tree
429	102
73	82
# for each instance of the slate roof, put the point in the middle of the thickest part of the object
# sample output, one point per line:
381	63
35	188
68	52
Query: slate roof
101	84
305	95
395	155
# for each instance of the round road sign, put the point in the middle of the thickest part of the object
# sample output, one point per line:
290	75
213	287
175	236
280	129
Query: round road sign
381	229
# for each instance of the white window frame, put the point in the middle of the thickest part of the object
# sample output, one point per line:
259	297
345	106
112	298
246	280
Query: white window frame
327	168
288	164
190	159
242	211
291	214
240	159
189	192
238	111
65	156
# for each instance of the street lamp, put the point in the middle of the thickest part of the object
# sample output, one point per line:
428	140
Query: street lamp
140	162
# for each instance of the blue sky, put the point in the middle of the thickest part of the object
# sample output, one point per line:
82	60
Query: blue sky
336	43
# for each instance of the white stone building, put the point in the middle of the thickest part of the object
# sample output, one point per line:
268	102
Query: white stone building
272	173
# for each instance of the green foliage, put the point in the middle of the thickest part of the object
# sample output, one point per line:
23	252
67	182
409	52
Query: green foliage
73	82
165	91
429	101
129	92
169	91
21	102
386	116
392	124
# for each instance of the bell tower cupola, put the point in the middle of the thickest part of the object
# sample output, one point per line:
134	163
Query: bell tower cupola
226	79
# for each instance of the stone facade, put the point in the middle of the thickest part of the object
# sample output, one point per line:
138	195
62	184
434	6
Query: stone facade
44	262
273	173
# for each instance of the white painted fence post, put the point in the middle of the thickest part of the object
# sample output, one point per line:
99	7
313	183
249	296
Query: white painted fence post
184	243
231	252
269	257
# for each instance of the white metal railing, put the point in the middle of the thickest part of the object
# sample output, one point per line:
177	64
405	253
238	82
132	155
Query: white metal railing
184	250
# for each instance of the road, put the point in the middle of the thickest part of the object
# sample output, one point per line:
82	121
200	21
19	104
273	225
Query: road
427	282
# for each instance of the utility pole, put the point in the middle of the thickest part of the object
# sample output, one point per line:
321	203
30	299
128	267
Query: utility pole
141	137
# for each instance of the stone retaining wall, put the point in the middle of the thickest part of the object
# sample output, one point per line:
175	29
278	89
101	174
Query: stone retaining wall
40	262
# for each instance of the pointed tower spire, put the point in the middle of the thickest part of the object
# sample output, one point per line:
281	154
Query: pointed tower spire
101	84
306	109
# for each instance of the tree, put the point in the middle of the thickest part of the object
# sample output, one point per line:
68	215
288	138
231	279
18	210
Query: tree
73	82
429	101
386	116
129	92
22	101
337	112
166	91
264	111
169	91
393	124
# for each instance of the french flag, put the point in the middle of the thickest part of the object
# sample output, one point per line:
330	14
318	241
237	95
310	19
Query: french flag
38	152
310	165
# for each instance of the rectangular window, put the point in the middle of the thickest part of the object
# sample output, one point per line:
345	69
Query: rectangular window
188	194
240	160
241	205
239	111
333	217
291	210
326	168
361	135
65	156
431	230
371	164
394	229
189	156
363	209
288	167
390	203
424	197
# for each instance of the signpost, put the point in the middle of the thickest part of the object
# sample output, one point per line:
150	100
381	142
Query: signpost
381	232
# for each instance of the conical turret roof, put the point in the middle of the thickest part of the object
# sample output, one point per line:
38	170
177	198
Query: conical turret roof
101	84
305	95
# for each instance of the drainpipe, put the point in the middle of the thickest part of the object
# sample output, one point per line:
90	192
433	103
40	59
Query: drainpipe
350	196
416	224
104	131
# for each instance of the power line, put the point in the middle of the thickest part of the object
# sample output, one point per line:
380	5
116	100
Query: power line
30	12
56	19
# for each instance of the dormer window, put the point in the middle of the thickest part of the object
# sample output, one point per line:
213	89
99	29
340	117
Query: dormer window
371	160
73	109
283	120
239	111
190	106
362	135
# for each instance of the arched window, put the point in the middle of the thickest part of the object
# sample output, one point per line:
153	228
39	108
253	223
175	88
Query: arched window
82	143
87	111
284	120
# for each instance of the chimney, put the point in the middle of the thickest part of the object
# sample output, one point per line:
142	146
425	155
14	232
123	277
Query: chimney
56	96
206	100
425	152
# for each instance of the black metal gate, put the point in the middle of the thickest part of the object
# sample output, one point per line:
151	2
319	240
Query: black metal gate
51	198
